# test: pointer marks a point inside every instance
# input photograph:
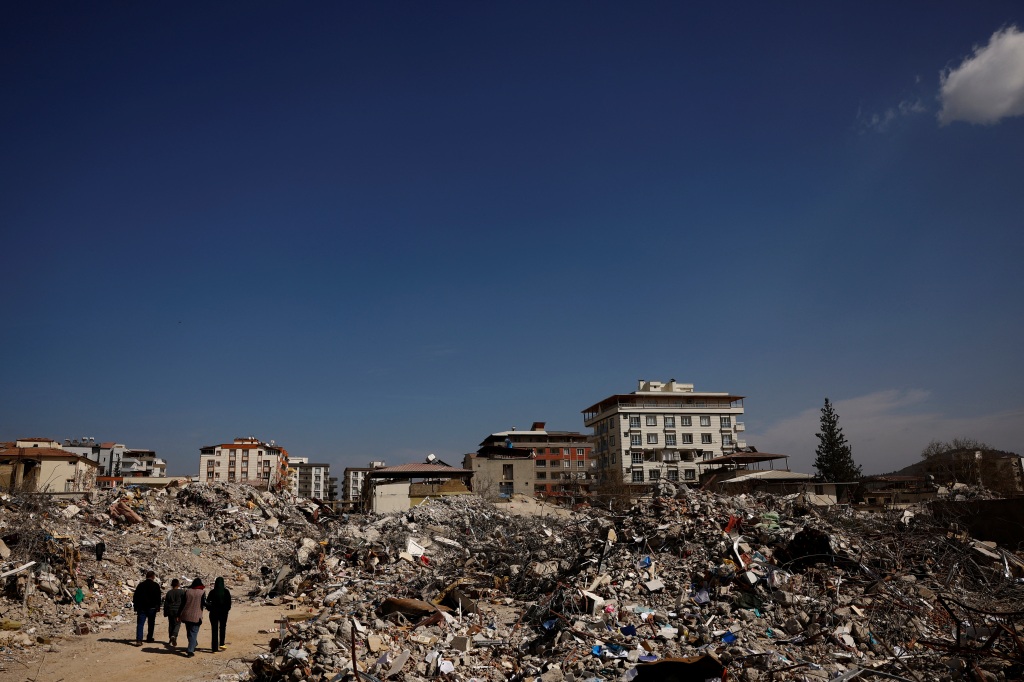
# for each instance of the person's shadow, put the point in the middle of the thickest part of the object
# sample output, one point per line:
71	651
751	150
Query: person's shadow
160	649
164	650
129	642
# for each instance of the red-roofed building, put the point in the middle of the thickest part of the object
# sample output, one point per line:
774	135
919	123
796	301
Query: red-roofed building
42	465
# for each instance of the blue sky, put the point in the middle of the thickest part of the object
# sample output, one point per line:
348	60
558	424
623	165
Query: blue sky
378	231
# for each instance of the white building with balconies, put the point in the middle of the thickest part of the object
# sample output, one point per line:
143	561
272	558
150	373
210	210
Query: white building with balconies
662	431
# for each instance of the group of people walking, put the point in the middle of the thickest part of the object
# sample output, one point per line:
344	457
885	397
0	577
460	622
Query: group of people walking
182	607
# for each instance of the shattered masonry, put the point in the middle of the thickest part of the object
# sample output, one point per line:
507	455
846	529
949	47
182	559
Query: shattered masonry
675	588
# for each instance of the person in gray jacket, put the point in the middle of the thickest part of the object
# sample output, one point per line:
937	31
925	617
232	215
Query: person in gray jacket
174	600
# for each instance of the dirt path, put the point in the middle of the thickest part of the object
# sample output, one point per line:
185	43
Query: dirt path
110	655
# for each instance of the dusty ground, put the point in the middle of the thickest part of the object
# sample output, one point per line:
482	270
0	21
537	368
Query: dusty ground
111	655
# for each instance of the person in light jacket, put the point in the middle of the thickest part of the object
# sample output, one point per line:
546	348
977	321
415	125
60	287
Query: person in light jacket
174	600
218	603
192	613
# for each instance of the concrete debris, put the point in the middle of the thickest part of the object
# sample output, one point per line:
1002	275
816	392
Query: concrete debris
687	585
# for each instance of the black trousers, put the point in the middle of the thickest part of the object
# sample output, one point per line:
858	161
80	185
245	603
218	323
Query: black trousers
218	627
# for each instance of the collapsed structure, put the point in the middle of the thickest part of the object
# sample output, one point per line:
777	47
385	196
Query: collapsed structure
673	588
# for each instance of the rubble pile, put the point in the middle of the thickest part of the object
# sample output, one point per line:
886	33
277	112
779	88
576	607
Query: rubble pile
677	588
689	585
52	584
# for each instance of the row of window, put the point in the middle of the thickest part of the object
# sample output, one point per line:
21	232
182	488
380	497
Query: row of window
562	451
555	475
670	421
671	474
670	439
566	463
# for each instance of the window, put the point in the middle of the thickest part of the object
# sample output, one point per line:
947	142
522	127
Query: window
726	439
635	439
566	463
634	422
581	452
673	474
542	462
540	487
654	474
652	420
726	422
652	439
542	475
705	438
705	421
686	421
819	490
670	422
687	439
506	471
637	457
690	475
670	439
580	464
504	490
638	476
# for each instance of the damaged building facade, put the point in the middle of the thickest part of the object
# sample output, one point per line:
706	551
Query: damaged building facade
551	464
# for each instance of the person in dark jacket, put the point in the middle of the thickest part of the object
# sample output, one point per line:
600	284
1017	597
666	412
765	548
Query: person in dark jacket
218	603
192	613
174	600
100	547
146	601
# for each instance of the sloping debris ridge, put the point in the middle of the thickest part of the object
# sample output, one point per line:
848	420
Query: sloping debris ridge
697	586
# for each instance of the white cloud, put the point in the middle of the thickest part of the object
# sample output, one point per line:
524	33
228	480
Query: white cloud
887	430
987	86
880	122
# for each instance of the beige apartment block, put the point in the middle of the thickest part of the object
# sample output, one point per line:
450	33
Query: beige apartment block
244	460
663	430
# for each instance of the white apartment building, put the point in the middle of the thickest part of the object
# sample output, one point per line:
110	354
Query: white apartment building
663	430
353	480
245	460
310	479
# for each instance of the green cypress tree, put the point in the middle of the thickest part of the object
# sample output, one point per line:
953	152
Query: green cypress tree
834	460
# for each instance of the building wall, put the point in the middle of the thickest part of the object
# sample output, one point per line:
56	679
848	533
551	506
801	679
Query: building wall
663	430
497	477
389	497
65	475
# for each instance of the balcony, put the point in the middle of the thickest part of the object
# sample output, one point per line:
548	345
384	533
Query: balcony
740	426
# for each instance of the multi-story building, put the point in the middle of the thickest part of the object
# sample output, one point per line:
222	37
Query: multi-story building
245	460
115	460
352	481
562	460
107	455
138	462
663	430
310	479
